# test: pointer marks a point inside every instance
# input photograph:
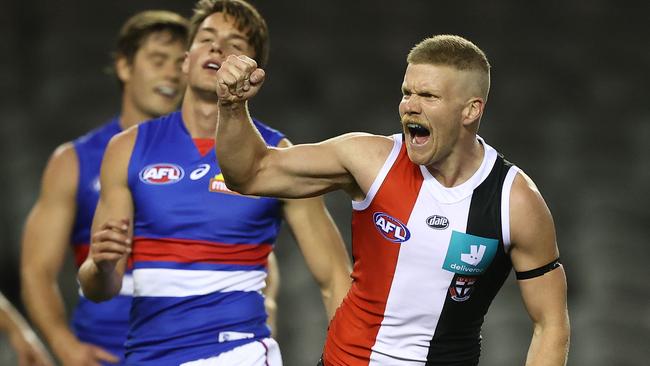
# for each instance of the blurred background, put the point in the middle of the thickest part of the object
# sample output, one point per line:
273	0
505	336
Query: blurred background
569	104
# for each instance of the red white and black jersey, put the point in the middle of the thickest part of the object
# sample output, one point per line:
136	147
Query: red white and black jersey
428	261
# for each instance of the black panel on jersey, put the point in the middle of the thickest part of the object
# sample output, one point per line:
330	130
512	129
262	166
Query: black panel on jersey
457	339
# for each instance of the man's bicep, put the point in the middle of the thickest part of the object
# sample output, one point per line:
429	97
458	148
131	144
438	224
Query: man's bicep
49	224
532	228
545	297
115	202
305	170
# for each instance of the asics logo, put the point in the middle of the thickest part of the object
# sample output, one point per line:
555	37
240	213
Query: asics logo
200	172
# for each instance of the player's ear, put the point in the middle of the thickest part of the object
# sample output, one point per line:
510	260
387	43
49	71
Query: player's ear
123	69
473	111
185	67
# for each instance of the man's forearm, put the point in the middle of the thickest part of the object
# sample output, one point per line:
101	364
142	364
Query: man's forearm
549	346
334	295
98	285
45	306
239	145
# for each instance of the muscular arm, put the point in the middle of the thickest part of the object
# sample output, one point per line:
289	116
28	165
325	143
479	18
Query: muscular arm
29	349
101	274
250	167
46	238
533	246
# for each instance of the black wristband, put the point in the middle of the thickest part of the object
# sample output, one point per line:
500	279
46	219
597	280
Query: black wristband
538	271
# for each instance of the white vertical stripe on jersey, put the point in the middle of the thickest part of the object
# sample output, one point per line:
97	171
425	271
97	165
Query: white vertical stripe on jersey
379	179
159	282
505	206
420	285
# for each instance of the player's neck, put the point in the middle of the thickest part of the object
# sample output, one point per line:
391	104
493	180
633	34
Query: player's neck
460	165
199	115
131	116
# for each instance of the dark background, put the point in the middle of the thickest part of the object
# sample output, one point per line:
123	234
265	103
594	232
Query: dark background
568	104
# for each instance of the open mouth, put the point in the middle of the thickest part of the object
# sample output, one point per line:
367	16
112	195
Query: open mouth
211	65
418	133
166	91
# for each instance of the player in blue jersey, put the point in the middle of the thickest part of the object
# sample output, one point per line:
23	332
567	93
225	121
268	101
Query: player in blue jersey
199	250
147	61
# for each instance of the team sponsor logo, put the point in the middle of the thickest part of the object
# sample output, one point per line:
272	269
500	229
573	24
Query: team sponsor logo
469	254
161	173
437	222
200	172
218	185
461	288
391	228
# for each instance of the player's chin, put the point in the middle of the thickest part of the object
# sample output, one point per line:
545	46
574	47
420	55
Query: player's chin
417	155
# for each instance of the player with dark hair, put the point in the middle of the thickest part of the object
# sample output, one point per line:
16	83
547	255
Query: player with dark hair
147	62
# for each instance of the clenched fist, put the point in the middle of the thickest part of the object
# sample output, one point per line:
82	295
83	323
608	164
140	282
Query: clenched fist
238	79
110	244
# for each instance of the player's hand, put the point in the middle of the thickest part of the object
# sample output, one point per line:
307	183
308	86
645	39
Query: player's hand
238	79
110	244
72	352
29	349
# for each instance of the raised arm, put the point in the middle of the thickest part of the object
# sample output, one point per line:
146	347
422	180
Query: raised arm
250	167
101	274
542	281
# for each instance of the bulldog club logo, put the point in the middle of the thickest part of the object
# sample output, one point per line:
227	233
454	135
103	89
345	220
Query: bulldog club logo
391	228
161	173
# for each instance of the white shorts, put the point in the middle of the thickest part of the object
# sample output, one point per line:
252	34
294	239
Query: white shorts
265	352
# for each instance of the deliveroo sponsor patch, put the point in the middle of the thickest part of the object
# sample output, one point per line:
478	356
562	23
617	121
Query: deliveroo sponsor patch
469	254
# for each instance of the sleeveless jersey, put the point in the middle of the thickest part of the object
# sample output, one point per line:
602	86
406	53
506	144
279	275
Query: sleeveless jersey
104	324
428	262
199	251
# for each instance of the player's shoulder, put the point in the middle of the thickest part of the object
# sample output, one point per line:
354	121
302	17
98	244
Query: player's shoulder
526	200
64	156
366	143
99	135
123	139
62	169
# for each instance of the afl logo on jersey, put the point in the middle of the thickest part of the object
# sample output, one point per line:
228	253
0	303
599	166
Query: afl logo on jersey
161	173
391	228
437	222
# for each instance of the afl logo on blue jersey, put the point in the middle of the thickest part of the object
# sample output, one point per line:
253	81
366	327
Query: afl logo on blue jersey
161	173
391	228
